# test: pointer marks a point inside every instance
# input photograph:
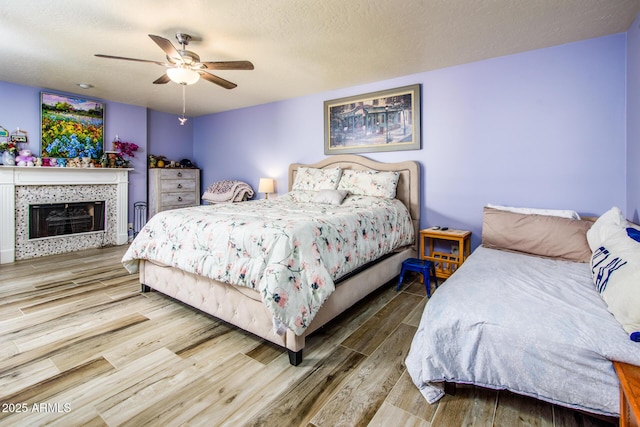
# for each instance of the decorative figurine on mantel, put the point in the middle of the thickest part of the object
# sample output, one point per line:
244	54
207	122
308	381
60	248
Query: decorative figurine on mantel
19	136
9	150
25	158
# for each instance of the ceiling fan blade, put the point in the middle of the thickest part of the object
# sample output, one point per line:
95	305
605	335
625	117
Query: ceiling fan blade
162	79
131	59
228	65
217	80
166	46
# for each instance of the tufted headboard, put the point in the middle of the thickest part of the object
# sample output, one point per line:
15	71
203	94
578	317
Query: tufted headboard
408	190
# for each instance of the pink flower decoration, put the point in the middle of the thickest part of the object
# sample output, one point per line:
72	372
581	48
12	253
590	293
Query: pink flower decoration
281	298
125	148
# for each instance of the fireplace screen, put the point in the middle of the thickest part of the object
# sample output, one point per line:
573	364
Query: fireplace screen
56	219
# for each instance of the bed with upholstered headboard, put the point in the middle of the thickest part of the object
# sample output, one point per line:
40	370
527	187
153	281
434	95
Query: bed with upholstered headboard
253	277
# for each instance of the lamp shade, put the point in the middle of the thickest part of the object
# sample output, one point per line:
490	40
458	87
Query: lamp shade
183	76
265	185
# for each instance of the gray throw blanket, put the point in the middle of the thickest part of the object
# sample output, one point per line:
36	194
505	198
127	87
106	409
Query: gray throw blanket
227	191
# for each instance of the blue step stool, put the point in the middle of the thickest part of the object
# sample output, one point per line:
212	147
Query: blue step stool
422	266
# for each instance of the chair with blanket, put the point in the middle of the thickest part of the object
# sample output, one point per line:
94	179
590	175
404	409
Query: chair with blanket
228	191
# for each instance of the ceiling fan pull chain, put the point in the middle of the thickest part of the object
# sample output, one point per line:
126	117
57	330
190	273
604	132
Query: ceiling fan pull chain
183	119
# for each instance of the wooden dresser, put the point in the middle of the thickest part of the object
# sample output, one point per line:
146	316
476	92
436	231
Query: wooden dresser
172	188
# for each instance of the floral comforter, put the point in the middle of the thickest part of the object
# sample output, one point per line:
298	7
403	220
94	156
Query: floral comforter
289	249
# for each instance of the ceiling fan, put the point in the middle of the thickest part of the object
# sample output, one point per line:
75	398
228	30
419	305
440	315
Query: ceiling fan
184	66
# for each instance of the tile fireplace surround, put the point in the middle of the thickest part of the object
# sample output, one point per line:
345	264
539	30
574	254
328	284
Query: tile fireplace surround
22	186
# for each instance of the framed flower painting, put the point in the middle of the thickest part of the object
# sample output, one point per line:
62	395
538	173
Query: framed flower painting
71	126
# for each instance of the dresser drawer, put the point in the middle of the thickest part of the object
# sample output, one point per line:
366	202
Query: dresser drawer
178	174
177	185
178	199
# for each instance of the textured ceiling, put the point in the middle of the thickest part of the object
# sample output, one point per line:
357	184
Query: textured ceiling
298	47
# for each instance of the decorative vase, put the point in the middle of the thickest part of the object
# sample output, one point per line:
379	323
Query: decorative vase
8	159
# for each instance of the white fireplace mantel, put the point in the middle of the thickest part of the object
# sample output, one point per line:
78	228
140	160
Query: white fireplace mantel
14	176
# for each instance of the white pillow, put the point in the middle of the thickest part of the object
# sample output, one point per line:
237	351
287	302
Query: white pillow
316	179
615	267
607	224
563	213
330	197
369	183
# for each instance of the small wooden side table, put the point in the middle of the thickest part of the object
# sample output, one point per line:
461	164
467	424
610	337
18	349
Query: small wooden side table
629	376
446	262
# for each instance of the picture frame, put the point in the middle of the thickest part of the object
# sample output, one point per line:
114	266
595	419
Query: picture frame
71	126
387	120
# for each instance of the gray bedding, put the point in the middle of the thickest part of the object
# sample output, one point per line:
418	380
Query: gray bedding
531	325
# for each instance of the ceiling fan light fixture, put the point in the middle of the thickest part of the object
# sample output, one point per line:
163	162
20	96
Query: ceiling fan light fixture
183	76
184	66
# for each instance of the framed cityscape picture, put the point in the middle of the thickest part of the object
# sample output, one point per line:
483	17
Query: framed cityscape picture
71	126
387	120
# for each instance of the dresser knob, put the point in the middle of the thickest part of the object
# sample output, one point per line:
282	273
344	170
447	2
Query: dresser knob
179	185
179	199
179	173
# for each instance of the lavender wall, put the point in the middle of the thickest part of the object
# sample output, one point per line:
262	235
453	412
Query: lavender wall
130	124
167	138
20	107
544	129
261	141
633	121
550	128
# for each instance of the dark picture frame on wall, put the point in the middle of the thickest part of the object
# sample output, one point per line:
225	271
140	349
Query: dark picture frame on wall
71	126
387	120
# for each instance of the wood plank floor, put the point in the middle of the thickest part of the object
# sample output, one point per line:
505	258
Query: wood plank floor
81	346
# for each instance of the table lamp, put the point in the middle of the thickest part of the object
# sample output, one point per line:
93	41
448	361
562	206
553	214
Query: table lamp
265	186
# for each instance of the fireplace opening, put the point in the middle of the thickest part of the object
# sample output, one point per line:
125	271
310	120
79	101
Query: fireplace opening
57	219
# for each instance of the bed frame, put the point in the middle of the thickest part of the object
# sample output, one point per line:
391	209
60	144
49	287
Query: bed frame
242	306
